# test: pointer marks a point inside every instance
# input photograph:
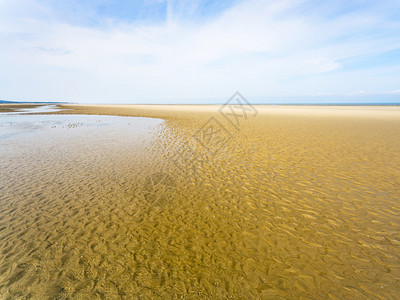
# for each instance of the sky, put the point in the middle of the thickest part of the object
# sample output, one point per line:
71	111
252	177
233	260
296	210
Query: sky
200	51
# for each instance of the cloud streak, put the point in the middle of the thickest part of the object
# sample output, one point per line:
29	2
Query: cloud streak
184	50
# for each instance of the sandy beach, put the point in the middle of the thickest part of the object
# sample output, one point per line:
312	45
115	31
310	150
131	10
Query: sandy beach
256	202
175	111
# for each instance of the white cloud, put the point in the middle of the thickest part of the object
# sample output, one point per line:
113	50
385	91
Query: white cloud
261	48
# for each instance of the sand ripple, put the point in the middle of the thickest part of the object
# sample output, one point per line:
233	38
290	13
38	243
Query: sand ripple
287	208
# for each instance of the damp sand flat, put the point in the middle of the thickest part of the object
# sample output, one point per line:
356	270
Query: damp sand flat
294	202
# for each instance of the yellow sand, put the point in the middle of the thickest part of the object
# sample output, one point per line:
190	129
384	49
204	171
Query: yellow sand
295	202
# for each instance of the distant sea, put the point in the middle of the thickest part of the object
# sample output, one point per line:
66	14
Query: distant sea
333	104
221	103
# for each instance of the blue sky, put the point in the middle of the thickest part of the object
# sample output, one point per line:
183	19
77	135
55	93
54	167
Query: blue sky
109	51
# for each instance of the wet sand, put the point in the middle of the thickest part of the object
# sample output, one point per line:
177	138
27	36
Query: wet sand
4	108
285	202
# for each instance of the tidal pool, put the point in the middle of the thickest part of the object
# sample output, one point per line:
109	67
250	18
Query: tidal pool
62	178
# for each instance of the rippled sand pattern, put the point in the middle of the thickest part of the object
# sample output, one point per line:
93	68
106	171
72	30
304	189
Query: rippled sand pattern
290	207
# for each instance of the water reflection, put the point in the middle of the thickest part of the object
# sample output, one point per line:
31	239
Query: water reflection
16	124
33	110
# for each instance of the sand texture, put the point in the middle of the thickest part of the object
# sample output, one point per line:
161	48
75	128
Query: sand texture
280	203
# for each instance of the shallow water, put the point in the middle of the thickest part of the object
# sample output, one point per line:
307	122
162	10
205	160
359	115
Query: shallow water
33	110
58	173
112	207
